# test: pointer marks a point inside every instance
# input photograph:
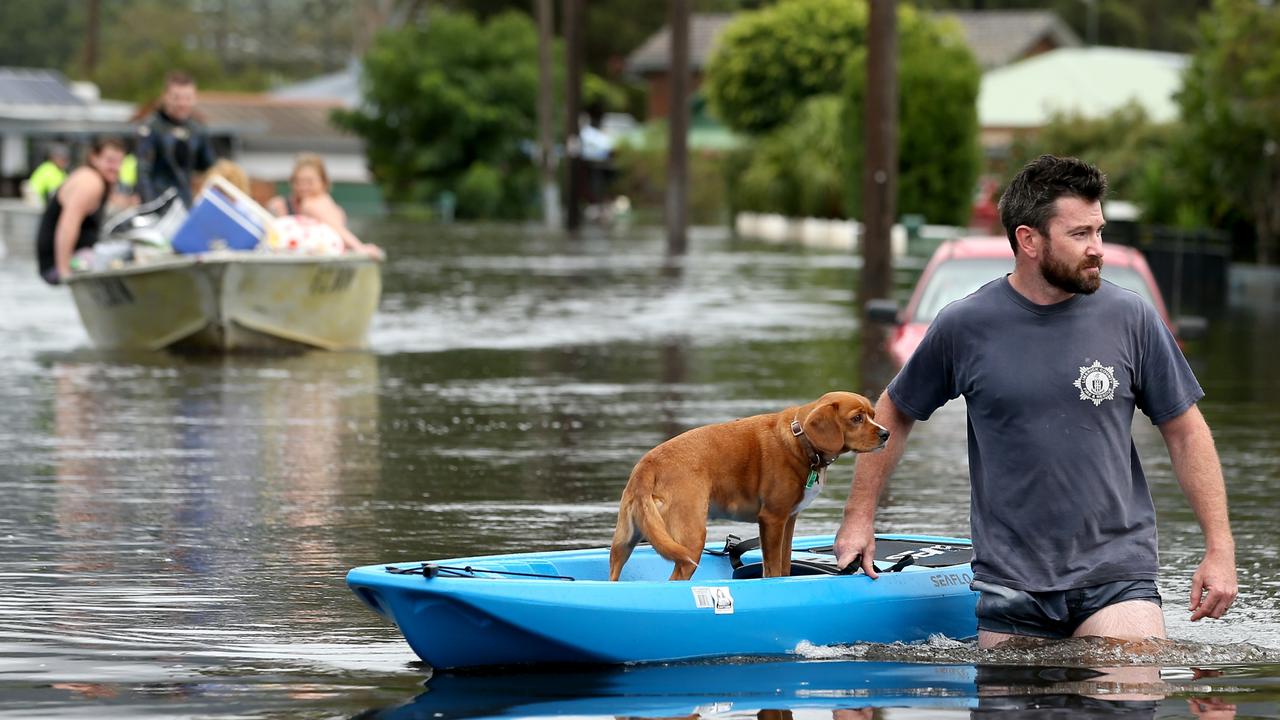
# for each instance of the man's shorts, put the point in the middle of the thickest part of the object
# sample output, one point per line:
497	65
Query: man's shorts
1052	614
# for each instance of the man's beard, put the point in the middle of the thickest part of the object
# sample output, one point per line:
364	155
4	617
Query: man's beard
1067	278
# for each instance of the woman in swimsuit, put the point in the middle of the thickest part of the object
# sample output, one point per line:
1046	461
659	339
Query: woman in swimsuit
310	197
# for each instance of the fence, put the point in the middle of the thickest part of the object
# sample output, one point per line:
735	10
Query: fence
1192	267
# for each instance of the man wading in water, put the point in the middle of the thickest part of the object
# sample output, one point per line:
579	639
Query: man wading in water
1051	361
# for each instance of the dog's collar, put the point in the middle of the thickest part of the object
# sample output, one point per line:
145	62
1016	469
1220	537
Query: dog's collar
816	459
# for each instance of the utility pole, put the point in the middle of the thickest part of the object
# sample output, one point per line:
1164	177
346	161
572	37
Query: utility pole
880	174
544	11
678	131
573	110
1091	22
92	30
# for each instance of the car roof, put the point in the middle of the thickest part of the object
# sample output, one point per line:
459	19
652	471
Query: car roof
997	246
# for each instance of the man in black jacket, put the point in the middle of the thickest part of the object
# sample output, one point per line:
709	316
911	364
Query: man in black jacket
172	145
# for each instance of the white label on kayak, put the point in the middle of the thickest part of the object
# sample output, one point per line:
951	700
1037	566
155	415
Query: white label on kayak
923	552
714	597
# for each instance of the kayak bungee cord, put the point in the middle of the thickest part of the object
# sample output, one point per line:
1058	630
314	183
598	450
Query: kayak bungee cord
430	570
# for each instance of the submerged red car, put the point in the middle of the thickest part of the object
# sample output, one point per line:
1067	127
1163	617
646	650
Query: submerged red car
959	267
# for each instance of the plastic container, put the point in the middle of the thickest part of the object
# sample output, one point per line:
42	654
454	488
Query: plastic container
223	218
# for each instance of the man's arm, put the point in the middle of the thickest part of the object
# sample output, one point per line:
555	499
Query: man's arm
330	213
1196	465
145	152
78	198
206	156
857	531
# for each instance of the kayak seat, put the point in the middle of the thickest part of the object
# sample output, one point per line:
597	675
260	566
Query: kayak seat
799	567
897	553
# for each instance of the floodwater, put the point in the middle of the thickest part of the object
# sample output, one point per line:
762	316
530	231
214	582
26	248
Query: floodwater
175	531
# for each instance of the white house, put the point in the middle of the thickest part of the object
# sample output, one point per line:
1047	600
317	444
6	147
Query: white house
1087	81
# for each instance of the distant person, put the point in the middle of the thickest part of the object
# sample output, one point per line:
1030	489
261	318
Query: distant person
48	175
231	172
172	145
73	218
309	197
128	183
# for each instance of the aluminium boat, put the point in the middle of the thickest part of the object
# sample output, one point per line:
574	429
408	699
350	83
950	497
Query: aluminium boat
222	293
229	301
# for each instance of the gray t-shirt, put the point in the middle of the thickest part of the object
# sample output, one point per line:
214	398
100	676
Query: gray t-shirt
1058	496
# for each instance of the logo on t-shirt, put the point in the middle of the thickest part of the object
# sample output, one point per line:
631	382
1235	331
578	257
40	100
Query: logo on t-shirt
1097	383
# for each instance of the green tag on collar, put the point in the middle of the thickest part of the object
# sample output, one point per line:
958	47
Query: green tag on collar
812	479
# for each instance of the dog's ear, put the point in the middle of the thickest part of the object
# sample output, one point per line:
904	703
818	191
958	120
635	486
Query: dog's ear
822	426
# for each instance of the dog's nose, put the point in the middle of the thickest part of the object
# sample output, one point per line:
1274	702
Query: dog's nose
884	435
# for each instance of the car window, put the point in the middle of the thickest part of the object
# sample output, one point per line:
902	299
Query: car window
955	279
1129	279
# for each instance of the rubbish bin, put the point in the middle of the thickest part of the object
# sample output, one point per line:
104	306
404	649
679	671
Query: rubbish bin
913	224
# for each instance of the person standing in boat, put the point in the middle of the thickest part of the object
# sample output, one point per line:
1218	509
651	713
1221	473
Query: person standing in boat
172	145
309	198
1052	361
72	219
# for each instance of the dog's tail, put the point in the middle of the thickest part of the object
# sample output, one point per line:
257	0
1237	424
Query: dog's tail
647	517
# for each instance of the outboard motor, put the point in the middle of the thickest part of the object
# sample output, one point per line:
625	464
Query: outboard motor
153	223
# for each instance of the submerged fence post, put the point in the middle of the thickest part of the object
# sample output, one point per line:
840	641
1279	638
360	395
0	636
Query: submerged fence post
546	96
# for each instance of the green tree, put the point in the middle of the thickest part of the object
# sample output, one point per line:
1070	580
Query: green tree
939	156
47	34
810	162
226	44
1230	104
449	99
768	61
144	41
642	177
1139	157
797	169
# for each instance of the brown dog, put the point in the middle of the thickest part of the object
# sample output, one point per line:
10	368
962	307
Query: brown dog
765	468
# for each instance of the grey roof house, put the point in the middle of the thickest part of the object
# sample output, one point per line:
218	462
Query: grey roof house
39	105
651	60
342	87
999	37
996	37
268	132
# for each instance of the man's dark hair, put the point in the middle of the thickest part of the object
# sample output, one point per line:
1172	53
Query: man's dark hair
178	77
1029	199
107	141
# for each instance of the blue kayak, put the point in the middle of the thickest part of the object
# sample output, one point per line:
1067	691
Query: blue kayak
559	607
720	689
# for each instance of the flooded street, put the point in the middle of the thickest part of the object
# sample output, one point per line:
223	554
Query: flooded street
176	530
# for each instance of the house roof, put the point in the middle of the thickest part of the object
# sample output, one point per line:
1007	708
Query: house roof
263	122
996	37
35	86
270	131
999	37
654	54
1091	81
39	101
343	86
